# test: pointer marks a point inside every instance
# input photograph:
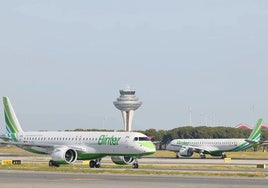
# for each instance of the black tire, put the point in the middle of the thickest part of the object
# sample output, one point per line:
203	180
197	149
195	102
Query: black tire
203	156
135	165
50	163
97	165
92	164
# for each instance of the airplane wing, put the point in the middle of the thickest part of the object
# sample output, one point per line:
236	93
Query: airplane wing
5	139
195	148
49	147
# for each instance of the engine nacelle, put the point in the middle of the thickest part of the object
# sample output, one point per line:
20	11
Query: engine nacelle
64	155
186	152
122	160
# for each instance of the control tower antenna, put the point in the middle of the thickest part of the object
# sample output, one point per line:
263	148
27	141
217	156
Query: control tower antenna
127	103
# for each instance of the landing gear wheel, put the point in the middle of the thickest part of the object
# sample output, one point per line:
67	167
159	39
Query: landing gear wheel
92	164
135	165
95	163
202	156
177	155
223	156
52	163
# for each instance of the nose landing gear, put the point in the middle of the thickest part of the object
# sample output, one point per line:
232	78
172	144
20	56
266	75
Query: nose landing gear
95	163
135	164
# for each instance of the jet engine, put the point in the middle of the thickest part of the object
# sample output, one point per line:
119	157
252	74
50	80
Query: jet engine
186	152
64	155
122	160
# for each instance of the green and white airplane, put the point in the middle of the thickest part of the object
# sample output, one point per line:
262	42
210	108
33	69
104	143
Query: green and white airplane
214	147
67	147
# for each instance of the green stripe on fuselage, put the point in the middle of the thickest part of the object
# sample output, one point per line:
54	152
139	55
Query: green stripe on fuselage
147	144
89	156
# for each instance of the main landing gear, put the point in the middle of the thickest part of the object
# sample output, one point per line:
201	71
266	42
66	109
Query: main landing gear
52	163
223	156
95	163
202	155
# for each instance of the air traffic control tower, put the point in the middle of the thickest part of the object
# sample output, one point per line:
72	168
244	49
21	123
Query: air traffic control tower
127	103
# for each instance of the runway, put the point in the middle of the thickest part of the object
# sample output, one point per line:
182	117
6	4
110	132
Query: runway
26	179
35	158
13	179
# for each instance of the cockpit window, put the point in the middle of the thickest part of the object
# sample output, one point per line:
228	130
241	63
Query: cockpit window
141	139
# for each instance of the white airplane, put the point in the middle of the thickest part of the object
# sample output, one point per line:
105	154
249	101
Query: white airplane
214	147
67	147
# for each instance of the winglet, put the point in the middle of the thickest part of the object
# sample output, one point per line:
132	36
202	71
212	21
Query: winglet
12	123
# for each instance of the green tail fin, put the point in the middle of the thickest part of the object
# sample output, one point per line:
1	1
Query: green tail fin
12	123
255	135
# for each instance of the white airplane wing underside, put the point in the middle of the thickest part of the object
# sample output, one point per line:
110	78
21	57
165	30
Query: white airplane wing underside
197	148
46	145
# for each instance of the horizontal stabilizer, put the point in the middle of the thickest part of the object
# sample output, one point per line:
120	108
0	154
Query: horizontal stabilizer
251	141
5	138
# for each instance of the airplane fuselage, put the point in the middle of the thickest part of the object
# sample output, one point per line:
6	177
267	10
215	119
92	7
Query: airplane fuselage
213	147
88	144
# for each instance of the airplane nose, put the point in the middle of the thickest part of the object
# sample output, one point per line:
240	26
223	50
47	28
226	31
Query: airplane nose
148	147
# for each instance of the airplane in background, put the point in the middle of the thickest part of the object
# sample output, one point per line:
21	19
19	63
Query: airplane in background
214	147
67	147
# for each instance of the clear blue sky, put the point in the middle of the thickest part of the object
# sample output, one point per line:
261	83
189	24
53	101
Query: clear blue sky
63	62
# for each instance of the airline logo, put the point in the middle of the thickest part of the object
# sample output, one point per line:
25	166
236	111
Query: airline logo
106	140
183	143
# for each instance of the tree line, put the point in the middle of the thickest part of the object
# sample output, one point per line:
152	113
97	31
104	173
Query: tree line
163	137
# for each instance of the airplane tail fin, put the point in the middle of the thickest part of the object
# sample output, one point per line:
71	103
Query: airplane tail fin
12	124
255	135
